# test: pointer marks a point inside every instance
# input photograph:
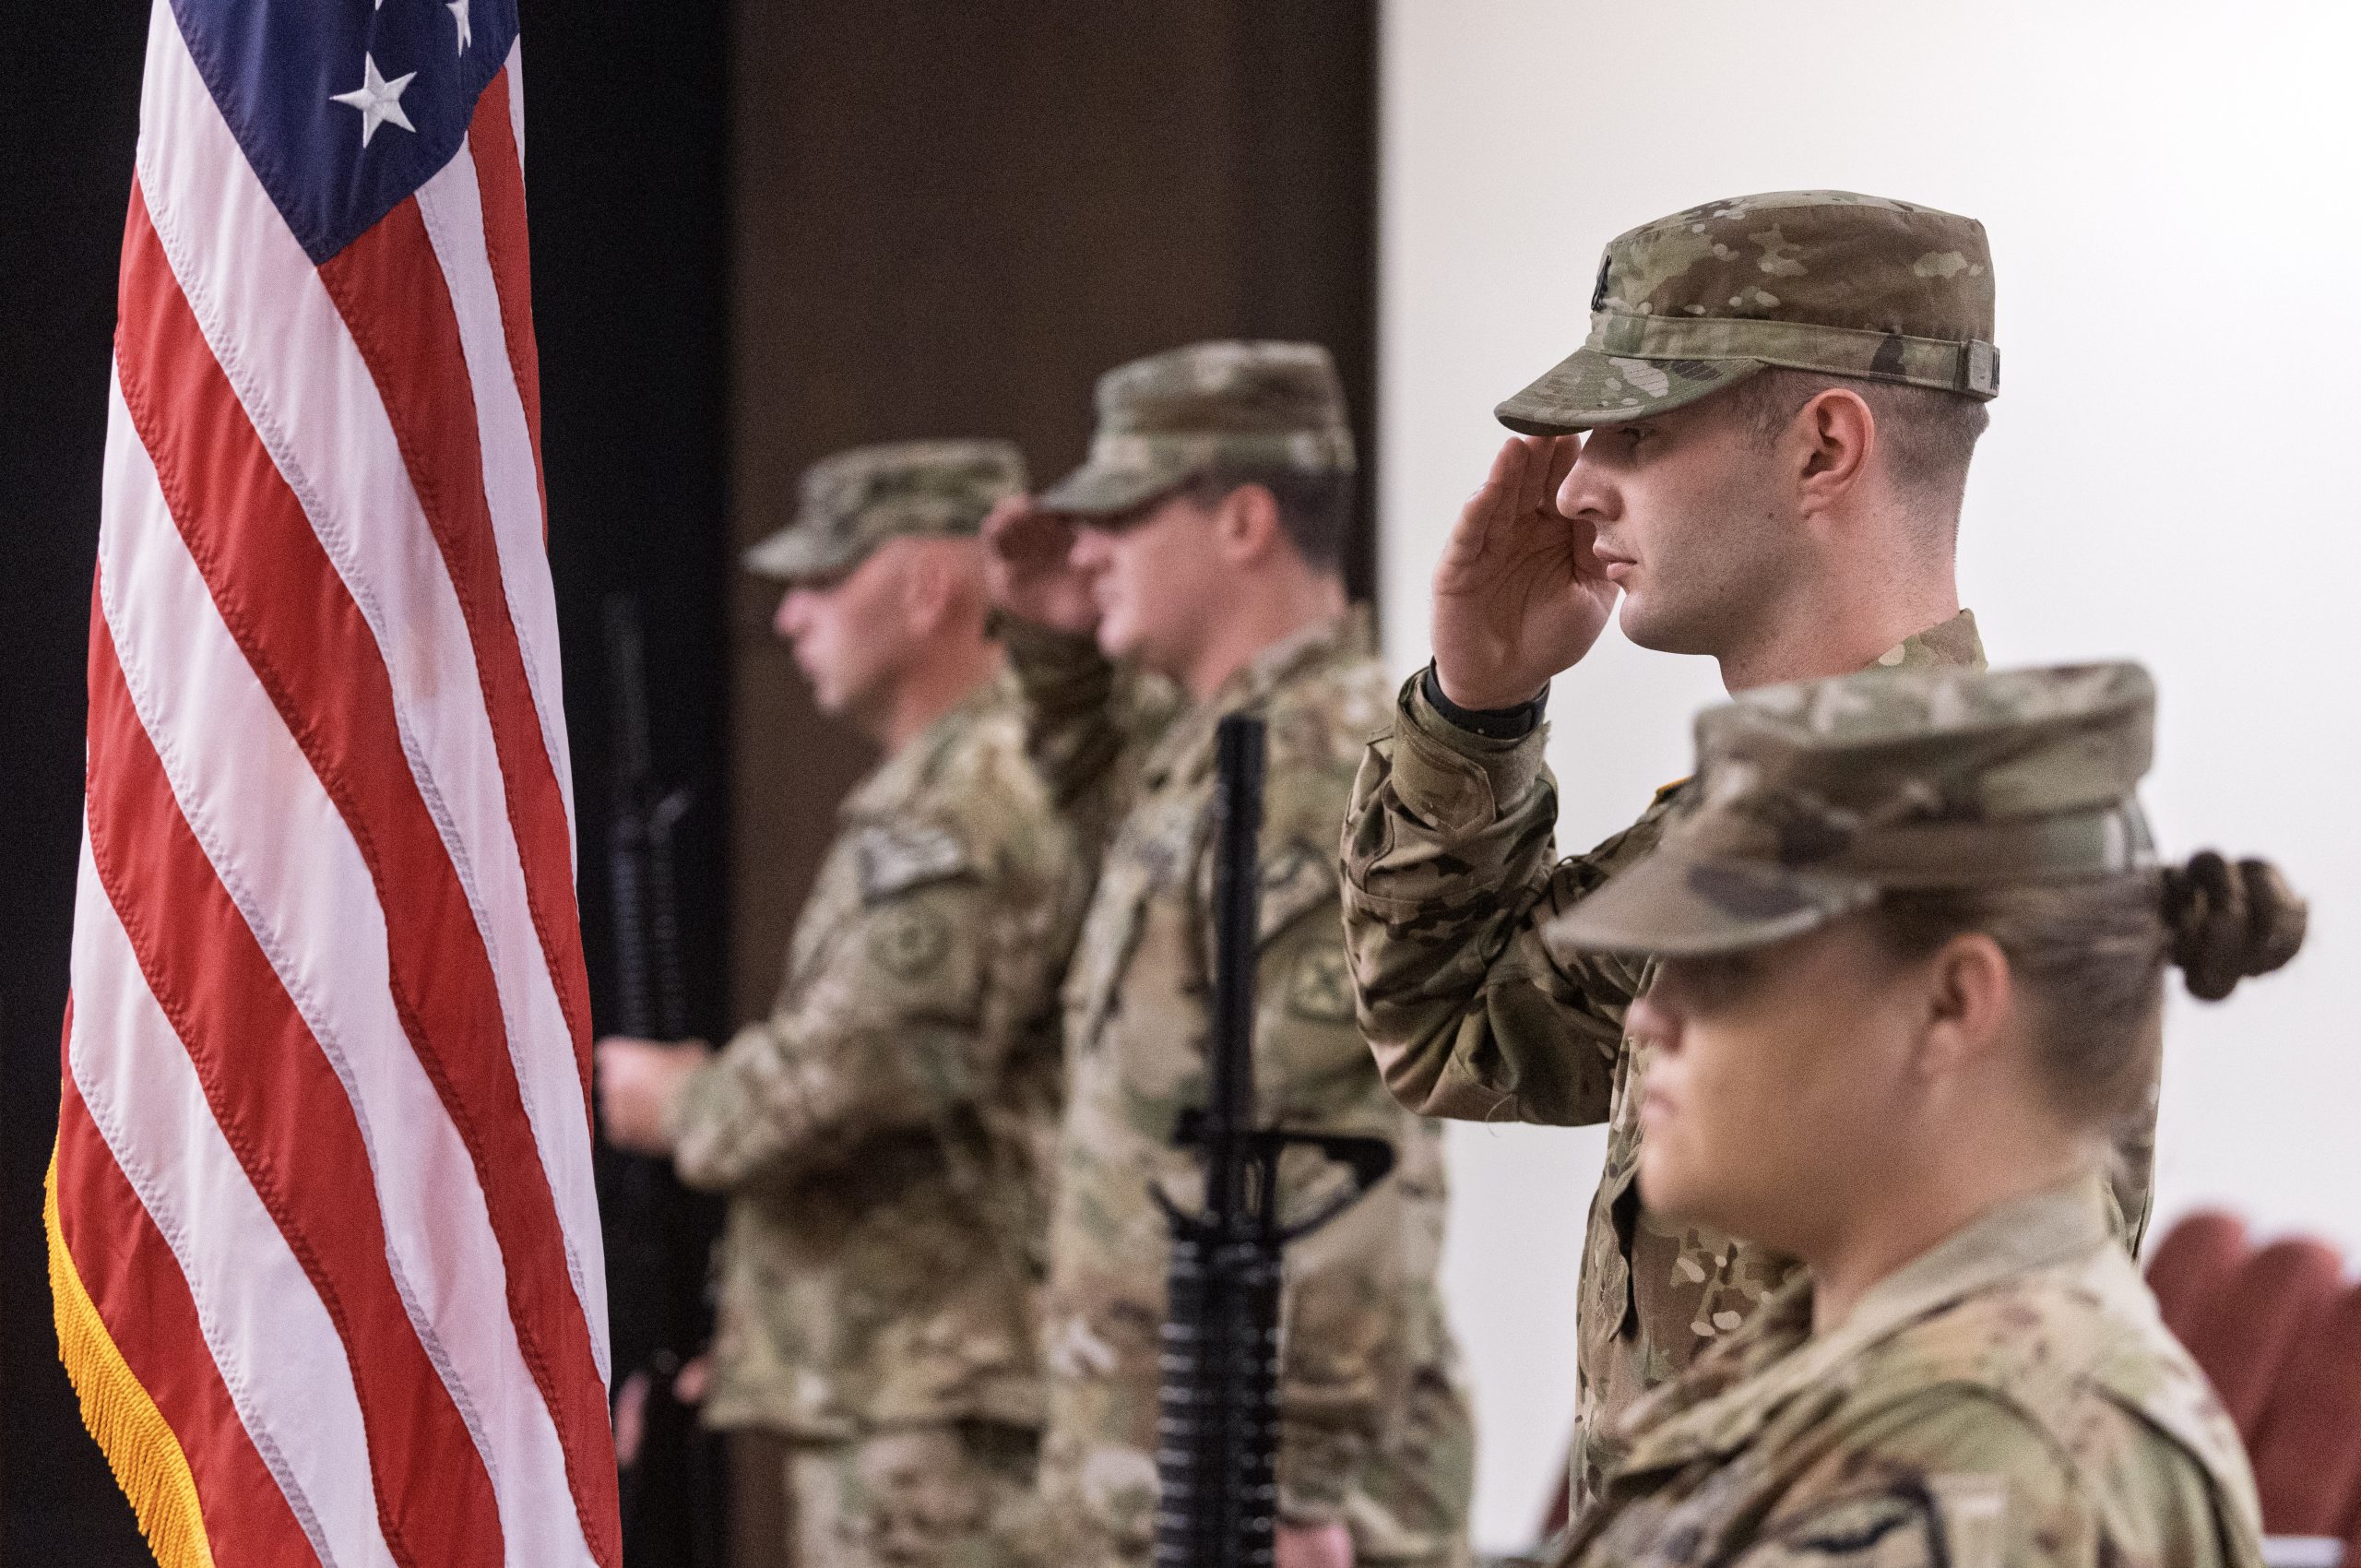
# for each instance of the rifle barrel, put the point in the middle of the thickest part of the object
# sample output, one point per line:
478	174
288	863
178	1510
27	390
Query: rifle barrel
1239	761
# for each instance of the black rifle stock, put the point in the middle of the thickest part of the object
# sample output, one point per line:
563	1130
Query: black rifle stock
1217	1427
671	1491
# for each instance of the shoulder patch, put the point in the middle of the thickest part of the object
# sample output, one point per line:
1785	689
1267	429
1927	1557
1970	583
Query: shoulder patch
1321	987
895	859
1666	791
910	941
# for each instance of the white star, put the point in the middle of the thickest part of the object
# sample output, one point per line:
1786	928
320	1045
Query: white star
377	99
459	9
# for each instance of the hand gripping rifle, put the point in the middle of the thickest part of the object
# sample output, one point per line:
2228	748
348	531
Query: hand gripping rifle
657	1231
1217	1427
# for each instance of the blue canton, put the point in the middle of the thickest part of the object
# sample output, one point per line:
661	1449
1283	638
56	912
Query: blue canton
345	107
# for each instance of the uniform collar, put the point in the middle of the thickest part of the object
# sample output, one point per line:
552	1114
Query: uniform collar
1954	642
892	782
1775	1359
1187	747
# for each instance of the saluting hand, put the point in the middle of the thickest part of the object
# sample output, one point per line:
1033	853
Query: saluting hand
1519	593
1028	568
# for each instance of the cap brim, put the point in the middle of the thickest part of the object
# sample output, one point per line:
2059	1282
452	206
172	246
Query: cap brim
1592	388
1670	905
1096	490
798	553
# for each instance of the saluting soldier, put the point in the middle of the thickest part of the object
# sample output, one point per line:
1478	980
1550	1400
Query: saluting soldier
885	1133
1782	394
1202	541
1912	939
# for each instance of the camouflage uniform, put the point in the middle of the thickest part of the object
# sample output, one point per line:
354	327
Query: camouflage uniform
885	1133
1374	1427
1451	868
2009	1395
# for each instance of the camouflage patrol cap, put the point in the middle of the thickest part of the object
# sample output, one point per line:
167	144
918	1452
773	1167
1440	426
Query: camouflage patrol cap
1812	799
1167	419
855	500
1822	280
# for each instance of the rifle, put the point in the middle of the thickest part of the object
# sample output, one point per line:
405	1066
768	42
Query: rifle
1218	1424
658	1232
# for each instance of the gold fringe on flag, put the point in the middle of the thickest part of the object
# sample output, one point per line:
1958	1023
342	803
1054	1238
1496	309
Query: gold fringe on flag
145	1456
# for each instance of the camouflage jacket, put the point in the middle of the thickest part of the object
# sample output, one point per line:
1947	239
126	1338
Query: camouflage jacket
2009	1397
1450	882
885	1133
1375	1426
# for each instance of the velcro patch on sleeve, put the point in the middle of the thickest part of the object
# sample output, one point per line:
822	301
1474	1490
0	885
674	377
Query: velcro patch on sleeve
1321	988
910	941
893	859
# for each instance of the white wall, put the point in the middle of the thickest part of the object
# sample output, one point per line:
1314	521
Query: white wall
2174	196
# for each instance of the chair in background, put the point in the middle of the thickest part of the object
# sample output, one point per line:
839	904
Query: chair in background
2247	1333
2307	1447
2193	1265
2277	1330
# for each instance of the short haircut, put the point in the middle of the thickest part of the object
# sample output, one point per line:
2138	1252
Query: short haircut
1315	509
1926	435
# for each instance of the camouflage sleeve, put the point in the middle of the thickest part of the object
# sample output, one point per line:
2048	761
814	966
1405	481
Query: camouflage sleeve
885	1032
1448	850
1958	1479
1088	722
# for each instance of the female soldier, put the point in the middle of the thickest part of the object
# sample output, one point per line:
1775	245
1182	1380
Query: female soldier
1914	942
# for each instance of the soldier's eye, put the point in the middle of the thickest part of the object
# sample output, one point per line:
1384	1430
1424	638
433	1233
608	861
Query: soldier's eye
1716	982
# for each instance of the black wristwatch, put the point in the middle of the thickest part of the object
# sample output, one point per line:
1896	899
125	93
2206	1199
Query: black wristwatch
1492	723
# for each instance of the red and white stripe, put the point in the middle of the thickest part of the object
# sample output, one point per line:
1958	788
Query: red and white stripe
323	1166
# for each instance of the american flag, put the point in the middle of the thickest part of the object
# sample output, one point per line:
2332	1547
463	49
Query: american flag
323	1245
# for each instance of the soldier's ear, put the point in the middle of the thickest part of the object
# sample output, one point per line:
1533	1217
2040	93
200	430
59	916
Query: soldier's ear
1246	526
1967	1007
1834	435
930	589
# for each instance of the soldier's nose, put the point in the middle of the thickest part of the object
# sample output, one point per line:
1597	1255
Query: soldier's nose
1585	491
788	620
1652	1020
1574	492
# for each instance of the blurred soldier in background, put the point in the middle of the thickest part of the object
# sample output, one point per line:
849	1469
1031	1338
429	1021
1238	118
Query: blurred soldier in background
1911	937
1202	541
885	1133
1781	394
